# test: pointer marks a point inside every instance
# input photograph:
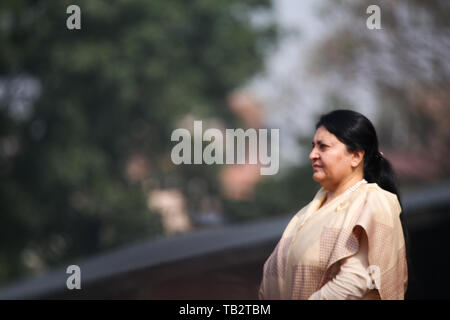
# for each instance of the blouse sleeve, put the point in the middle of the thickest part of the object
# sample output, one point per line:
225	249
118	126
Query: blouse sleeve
351	282
260	293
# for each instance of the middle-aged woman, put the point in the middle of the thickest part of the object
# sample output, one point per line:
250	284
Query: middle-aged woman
348	242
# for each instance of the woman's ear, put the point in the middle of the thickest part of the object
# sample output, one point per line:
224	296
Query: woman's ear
357	158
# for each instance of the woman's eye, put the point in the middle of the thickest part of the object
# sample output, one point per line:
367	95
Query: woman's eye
321	146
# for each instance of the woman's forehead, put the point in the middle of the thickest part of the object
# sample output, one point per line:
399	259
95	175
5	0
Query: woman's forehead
323	135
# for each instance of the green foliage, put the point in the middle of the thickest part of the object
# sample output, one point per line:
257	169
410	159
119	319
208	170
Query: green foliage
113	88
274	197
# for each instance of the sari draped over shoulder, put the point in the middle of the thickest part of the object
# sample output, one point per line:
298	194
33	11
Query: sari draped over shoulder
317	238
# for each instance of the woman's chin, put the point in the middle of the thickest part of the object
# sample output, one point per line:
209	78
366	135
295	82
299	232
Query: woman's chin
317	177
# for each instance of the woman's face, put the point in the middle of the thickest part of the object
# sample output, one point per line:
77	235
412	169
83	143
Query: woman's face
332	164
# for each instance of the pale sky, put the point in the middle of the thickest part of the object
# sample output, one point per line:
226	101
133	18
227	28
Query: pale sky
293	98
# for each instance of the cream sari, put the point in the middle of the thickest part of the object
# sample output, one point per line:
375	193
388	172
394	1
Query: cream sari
316	239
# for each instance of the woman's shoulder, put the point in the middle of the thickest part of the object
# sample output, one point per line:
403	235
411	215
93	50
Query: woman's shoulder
378	197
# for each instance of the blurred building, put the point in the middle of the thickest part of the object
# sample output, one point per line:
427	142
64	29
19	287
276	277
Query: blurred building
227	263
170	204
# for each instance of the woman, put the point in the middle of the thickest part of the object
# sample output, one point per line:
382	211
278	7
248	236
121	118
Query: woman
348	242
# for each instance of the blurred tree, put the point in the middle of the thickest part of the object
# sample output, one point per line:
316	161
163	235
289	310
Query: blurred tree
281	195
78	107
405	64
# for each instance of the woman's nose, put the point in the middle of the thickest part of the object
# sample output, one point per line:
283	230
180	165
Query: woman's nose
312	155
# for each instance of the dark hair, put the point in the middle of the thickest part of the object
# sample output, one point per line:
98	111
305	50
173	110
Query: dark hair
358	133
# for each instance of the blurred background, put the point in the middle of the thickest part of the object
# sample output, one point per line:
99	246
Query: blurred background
86	118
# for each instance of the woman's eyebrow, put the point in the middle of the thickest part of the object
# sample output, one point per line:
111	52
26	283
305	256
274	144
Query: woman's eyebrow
318	142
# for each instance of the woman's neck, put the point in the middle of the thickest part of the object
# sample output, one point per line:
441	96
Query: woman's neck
342	187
